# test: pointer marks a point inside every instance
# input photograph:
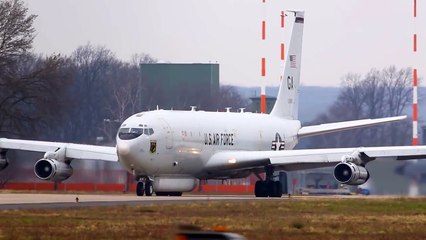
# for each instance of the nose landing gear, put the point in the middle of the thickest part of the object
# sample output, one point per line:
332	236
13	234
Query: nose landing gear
144	186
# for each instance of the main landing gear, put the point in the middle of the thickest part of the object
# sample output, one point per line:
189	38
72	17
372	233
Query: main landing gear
144	186
268	187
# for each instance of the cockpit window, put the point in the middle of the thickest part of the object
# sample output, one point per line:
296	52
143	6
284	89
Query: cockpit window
131	133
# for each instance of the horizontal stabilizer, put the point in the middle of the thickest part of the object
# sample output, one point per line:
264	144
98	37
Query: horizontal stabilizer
340	126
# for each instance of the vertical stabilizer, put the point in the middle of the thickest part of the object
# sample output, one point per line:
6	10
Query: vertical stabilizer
286	105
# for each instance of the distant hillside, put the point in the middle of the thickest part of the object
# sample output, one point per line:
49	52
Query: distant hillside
313	100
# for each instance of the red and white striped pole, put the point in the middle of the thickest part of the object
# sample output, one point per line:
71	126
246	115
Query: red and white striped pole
282	57
415	110
263	62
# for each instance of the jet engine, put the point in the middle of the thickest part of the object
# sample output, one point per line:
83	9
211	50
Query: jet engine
51	169
173	184
350	173
3	162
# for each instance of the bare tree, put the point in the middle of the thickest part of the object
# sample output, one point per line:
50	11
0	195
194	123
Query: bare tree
139	58
229	97
378	94
31	86
90	92
16	32
33	98
124	84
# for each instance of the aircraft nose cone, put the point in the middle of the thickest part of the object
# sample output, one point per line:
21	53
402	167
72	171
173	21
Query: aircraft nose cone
123	149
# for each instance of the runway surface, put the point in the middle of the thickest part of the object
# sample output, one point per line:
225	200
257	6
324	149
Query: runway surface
59	200
27	201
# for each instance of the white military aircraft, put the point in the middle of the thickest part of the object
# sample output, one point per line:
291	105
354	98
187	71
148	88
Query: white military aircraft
169	150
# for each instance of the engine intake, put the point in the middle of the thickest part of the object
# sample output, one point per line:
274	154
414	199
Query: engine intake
51	169
350	173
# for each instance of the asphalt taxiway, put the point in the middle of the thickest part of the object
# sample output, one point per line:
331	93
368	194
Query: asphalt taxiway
27	201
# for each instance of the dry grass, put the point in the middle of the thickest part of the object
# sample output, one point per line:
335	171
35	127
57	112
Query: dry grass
400	218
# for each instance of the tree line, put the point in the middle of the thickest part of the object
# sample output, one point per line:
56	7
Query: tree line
379	93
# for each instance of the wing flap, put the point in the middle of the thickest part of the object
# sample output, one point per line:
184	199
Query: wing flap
246	159
307	158
397	153
340	126
80	151
73	151
28	145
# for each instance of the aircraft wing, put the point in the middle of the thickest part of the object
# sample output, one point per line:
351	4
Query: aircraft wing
339	126
72	151
309	158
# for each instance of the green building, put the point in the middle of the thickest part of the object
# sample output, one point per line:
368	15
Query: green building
178	86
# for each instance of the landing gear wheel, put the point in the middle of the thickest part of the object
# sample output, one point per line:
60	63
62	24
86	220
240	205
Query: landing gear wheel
148	188
271	188
280	189
176	194
276	189
268	189
260	189
139	189
161	193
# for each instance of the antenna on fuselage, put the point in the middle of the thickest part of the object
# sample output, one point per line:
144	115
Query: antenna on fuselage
193	108
228	109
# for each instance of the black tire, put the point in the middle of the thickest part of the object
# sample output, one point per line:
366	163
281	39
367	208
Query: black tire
278	189
148	188
139	189
274	189
161	193
271	188
260	189
175	194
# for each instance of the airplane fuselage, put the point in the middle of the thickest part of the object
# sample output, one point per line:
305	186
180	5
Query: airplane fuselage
182	142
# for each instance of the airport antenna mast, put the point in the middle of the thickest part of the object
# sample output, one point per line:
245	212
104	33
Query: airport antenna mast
263	59
415	102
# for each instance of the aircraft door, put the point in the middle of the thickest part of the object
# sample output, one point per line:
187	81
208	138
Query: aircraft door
168	132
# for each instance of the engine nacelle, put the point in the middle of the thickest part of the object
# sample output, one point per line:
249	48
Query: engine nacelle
173	184
350	173
51	169
4	162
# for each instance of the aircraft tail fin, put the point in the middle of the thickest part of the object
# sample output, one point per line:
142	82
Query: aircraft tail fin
286	105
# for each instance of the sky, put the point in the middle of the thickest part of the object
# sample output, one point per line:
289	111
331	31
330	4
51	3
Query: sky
340	37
